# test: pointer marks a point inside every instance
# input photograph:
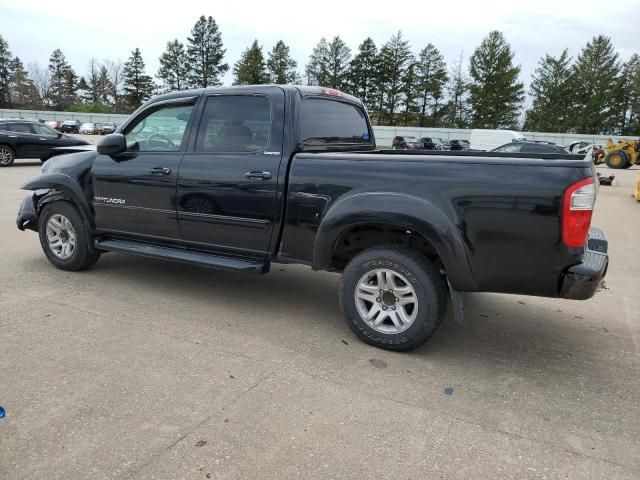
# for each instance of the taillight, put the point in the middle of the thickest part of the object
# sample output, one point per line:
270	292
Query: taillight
577	208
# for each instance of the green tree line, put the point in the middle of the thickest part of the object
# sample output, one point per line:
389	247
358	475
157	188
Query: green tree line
595	92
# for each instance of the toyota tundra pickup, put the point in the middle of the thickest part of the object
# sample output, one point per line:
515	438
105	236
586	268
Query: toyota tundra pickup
239	178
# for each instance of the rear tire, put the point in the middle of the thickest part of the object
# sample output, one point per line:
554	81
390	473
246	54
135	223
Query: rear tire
7	156
64	237
393	297
617	159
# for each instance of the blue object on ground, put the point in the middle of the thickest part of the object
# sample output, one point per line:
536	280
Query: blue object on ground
2	412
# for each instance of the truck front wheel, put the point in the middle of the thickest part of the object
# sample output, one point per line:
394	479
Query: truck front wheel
393	297
63	236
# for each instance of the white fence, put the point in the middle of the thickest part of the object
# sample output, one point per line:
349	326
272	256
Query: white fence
50	115
384	135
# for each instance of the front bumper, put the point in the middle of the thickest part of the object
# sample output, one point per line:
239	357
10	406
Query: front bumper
581	281
27	215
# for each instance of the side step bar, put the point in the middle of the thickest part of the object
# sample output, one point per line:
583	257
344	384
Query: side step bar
183	256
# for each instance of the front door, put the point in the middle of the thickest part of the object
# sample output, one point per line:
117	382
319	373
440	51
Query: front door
227	185
135	191
46	138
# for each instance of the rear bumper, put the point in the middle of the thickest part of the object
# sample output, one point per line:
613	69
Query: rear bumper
581	281
27	215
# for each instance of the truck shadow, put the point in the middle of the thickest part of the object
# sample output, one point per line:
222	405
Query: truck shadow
524	336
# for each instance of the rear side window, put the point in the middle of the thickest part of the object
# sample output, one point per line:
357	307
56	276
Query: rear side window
19	127
234	124
333	122
3	126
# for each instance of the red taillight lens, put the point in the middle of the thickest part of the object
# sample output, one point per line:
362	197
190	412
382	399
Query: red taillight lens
577	208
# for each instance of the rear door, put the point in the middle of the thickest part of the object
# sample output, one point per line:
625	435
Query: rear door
23	138
135	191
227	185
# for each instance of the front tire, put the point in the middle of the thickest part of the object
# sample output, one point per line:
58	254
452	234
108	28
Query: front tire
393	297
7	156
64	237
617	159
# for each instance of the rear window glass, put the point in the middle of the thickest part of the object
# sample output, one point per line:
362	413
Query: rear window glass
333	122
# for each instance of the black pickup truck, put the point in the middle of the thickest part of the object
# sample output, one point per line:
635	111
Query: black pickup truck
239	178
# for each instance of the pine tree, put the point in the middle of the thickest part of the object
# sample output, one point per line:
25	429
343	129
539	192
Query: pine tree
432	77
395	57
104	85
174	67
282	68
23	91
317	70
338	56
410	92
86	94
251	69
552	89
63	81
5	73
363	74
138	86
205	54
496	94
631	101
597	87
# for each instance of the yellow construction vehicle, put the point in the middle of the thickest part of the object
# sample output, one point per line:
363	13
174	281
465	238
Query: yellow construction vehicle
623	153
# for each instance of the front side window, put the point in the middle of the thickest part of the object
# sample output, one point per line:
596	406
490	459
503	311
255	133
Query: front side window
162	130
44	130
333	122
234	124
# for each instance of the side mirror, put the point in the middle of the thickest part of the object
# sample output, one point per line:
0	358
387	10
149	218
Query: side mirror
112	144
59	135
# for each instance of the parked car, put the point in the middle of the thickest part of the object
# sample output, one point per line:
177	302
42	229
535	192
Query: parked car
70	126
432	143
482	139
405	229
531	147
412	143
108	127
459	145
52	124
399	143
88	128
22	139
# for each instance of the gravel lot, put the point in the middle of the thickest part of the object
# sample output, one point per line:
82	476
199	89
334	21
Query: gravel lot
145	369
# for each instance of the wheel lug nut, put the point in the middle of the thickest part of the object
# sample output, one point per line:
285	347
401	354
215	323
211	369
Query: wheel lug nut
393	308
378	299
384	307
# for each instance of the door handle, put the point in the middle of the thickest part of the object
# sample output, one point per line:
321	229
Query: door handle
13	136
160	171
258	175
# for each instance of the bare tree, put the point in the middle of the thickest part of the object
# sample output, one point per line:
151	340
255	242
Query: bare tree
41	77
116	77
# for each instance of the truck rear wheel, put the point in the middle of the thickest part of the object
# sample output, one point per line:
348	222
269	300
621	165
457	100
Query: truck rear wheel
393	297
617	159
63	237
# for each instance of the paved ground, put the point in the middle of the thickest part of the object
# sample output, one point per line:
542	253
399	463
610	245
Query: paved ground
143	369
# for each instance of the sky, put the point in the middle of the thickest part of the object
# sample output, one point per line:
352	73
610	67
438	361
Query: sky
86	28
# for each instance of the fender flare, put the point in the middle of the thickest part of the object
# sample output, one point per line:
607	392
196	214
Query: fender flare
61	187
407	212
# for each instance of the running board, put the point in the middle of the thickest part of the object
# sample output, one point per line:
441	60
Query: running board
183	256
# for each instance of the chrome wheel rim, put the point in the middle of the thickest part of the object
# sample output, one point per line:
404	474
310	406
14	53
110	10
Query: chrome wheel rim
61	236
5	156
386	301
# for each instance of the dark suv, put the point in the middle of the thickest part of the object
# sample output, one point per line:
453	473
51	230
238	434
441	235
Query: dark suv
70	126
24	139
